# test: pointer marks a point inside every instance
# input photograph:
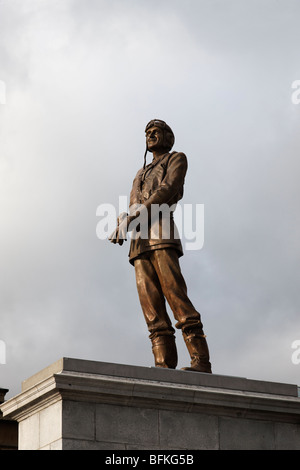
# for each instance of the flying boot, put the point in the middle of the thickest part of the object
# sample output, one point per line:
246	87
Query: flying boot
198	349
164	351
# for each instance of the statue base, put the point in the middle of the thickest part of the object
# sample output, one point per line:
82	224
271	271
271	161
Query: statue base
77	404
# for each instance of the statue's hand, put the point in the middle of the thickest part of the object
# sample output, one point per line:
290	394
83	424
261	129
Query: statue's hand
113	237
119	234
122	231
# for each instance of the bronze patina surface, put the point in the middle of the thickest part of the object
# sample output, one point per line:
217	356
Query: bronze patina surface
155	250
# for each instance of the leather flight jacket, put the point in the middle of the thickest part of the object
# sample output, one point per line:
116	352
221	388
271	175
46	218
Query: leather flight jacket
155	192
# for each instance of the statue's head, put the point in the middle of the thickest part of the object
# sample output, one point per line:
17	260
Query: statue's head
164	135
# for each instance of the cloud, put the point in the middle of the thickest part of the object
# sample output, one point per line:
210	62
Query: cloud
82	80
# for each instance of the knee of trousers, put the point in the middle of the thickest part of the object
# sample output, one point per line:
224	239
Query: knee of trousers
189	324
158	333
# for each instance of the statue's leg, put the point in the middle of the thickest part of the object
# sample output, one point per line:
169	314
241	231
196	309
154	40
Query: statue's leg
154	308
174	288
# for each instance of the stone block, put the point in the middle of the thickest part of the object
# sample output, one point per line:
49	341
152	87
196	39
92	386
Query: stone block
246	434
127	425
183	430
29	430
287	436
78	420
50	424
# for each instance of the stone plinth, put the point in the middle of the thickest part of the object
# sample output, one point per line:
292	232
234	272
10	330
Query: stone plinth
83	405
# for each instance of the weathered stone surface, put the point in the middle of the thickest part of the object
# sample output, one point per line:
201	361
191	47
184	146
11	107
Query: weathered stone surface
88	405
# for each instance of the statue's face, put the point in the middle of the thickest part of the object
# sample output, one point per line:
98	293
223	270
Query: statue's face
155	139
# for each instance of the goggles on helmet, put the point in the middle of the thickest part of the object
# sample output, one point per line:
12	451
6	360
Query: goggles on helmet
158	123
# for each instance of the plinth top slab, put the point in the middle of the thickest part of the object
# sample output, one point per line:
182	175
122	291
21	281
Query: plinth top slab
82	366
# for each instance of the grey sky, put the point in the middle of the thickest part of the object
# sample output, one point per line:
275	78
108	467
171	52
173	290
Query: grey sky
82	79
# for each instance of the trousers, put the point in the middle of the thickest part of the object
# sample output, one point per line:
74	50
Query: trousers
159	279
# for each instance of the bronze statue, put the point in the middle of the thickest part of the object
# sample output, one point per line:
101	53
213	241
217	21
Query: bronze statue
155	251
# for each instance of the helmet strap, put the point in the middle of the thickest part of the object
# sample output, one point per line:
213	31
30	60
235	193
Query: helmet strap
145	155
